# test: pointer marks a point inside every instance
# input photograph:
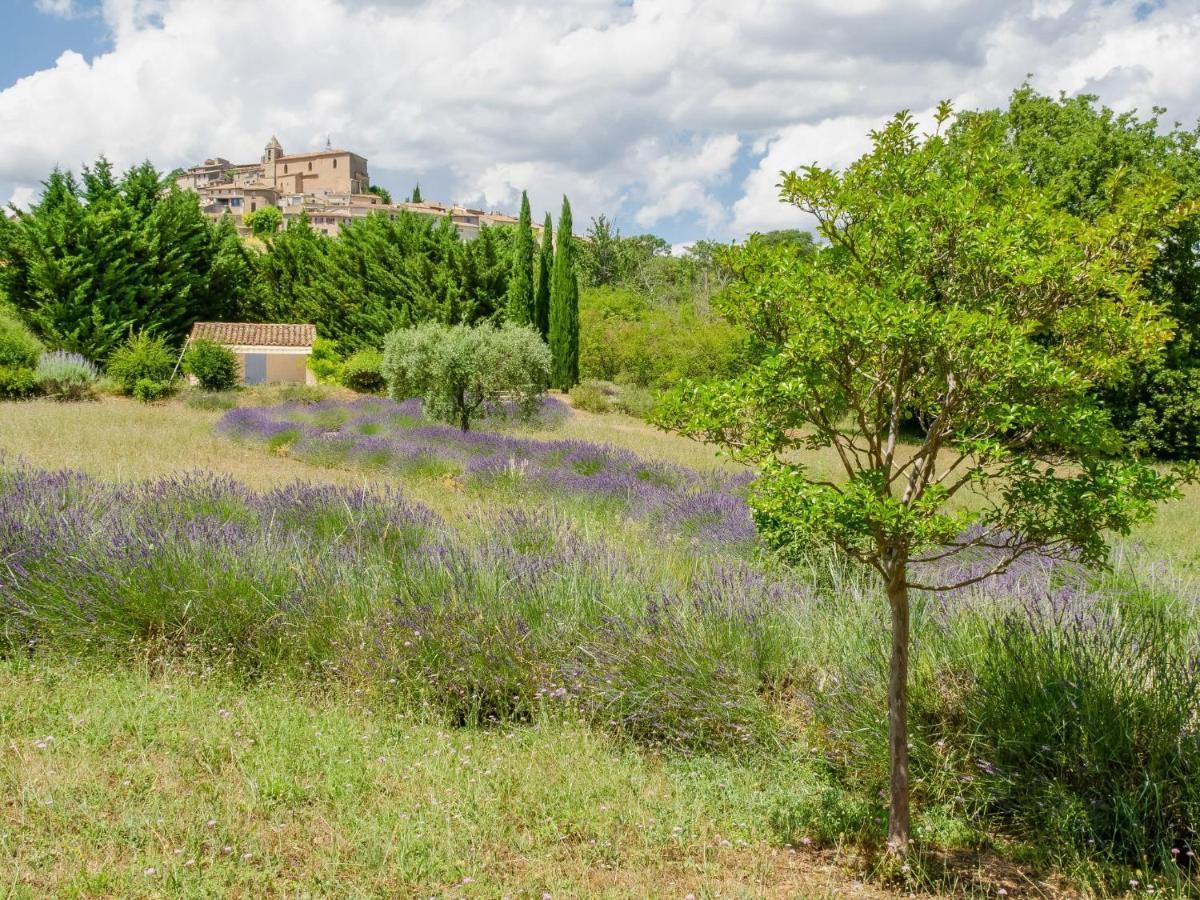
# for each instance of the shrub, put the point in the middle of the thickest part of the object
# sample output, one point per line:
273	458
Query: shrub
213	365
1089	729
148	390
143	366
636	401
19	349
19	353
595	396
459	371
66	376
16	383
363	372
325	362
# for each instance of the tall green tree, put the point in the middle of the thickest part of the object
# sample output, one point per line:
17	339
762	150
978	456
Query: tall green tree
416	194
564	306
545	271
520	283
1072	147
953	286
601	253
91	262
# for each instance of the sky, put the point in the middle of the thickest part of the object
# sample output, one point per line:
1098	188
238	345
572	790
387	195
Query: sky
669	116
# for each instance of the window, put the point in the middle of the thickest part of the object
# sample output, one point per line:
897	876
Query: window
285	168
335	162
236	201
253	206
310	166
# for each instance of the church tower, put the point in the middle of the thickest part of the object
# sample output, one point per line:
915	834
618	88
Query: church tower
271	156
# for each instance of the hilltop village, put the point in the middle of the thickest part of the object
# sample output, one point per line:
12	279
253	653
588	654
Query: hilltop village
332	186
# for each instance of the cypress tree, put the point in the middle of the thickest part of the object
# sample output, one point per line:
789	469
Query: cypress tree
564	306
416	195
520	282
541	297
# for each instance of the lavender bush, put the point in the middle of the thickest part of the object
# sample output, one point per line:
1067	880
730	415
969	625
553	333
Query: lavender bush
1049	704
383	434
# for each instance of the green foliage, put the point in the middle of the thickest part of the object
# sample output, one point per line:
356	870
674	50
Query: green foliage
381	192
143	366
263	222
19	349
17	383
626	339
1073	149
564	306
66	376
213	365
1123	777
458	370
415	196
148	390
92	261
594	396
952	289
381	274
363	372
521	302
325	362
1158	411
19	354
545	271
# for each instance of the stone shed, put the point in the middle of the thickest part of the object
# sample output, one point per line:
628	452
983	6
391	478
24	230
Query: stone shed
268	353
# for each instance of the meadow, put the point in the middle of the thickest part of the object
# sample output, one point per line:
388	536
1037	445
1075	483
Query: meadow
330	647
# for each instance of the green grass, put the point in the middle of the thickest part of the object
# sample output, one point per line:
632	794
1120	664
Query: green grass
185	782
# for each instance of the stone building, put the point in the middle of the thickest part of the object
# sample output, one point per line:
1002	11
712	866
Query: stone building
330	186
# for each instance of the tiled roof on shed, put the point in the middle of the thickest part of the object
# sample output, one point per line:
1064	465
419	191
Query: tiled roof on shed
256	335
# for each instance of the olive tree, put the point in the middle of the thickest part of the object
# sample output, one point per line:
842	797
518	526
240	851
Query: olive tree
459	371
950	299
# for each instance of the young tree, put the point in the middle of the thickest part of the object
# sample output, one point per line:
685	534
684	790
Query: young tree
520	283
951	289
564	306
541	298
458	371
416	194
264	222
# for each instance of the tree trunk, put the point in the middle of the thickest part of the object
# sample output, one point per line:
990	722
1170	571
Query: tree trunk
899	825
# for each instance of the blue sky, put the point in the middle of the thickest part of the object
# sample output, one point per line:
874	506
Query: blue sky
670	116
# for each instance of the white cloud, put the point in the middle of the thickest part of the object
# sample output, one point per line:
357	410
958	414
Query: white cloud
643	111
22	197
63	8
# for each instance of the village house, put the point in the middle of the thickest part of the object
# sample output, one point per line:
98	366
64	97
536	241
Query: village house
330	186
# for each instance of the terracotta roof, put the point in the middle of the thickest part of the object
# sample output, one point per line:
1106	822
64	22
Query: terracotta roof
256	335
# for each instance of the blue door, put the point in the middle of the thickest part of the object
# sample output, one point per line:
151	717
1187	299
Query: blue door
256	368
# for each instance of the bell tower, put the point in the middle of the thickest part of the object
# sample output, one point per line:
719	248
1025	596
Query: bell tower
271	156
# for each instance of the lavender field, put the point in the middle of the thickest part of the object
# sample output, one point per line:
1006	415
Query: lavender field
382	435
1051	702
